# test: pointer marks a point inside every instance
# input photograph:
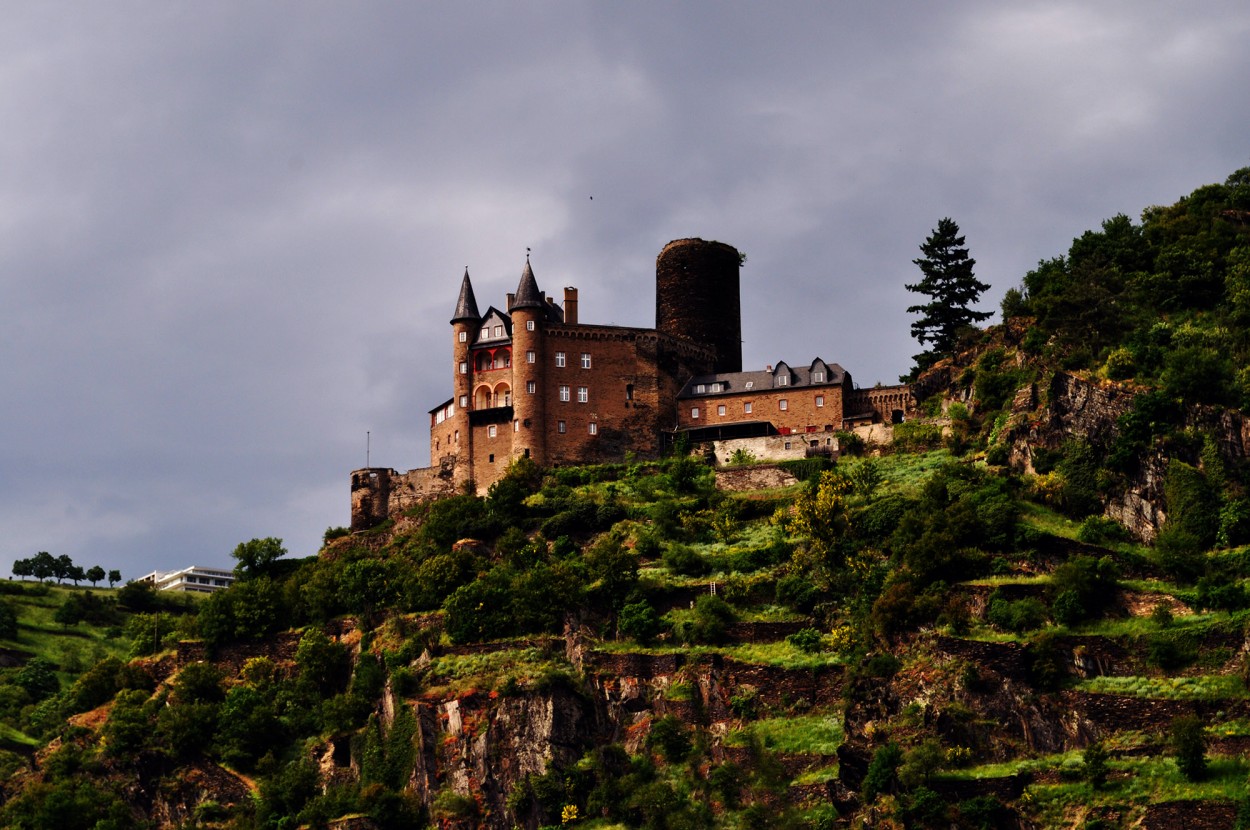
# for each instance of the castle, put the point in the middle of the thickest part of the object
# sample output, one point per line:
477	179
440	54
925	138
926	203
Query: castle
531	380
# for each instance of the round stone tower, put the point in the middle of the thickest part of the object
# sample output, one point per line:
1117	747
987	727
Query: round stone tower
696	297
528	310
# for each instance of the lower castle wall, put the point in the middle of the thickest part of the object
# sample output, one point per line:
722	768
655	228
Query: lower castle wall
378	493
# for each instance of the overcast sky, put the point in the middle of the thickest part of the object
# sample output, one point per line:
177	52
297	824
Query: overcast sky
232	233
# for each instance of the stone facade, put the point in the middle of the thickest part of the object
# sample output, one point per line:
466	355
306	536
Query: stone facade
531	380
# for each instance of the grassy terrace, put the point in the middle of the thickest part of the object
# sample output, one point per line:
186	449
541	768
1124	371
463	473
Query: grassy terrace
780	654
1203	687
453	674
804	735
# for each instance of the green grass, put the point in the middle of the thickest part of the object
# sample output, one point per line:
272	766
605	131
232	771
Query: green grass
806	735
458	673
1204	687
75	648
1040	579
1135	783
908	471
11	738
780	654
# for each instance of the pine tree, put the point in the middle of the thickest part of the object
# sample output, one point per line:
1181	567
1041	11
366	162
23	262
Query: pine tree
952	288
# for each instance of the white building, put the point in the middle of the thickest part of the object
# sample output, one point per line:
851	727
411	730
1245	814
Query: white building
194	578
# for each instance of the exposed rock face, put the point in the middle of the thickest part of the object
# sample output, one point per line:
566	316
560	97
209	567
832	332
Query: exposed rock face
1073	407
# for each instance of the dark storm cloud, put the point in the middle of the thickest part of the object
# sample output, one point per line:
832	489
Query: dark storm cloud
232	233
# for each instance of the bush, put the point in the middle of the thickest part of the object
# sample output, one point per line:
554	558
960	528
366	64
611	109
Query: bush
639	622
881	772
684	560
671	738
1097	530
807	639
1189	742
1017	616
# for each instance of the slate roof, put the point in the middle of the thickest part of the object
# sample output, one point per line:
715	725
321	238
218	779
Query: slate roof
527	293
735	383
466	305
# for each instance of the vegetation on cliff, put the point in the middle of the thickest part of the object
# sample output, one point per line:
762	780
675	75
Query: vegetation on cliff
1030	609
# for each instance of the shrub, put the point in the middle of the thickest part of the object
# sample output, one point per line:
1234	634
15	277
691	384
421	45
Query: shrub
881	772
1094	764
1097	530
684	560
639	622
1189	742
807	639
671	738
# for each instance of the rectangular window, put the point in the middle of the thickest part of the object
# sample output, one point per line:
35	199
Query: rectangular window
529	325
629	391
516	426
818	377
720	410
560	360
700	389
564	392
820	400
594	428
464	401
583	394
746	408
457	436
464	368
490	431
464	335
529	356
716	387
531	387
694	413
499	331
787	445
783	404
783	380
560	427
585	360
750	384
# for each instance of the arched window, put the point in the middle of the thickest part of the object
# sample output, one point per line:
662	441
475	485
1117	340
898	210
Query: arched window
503	395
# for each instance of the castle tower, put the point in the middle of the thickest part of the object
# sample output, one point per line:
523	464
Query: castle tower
697	299
464	325
528	310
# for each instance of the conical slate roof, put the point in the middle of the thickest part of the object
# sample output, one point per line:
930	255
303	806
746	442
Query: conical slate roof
466	306
527	293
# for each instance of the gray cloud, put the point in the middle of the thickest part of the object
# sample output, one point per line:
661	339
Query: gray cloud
232	234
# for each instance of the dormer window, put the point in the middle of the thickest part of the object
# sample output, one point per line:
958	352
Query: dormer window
716	387
700	389
499	331
750	384
818	377
783	380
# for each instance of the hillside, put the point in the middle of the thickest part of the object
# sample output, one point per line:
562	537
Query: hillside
1027	610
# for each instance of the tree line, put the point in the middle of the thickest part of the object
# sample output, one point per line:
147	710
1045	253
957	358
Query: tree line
44	566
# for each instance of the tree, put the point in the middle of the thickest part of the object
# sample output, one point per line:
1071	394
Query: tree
23	568
94	574
64	567
952	289
115	577
43	565
256	556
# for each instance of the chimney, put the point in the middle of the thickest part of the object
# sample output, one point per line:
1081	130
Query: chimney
769	368
570	306
511	297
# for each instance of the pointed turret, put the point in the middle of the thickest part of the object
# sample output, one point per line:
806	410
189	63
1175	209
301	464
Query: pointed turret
527	293
466	306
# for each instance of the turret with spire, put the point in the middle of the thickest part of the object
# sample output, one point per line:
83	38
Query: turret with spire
529	314
464	324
